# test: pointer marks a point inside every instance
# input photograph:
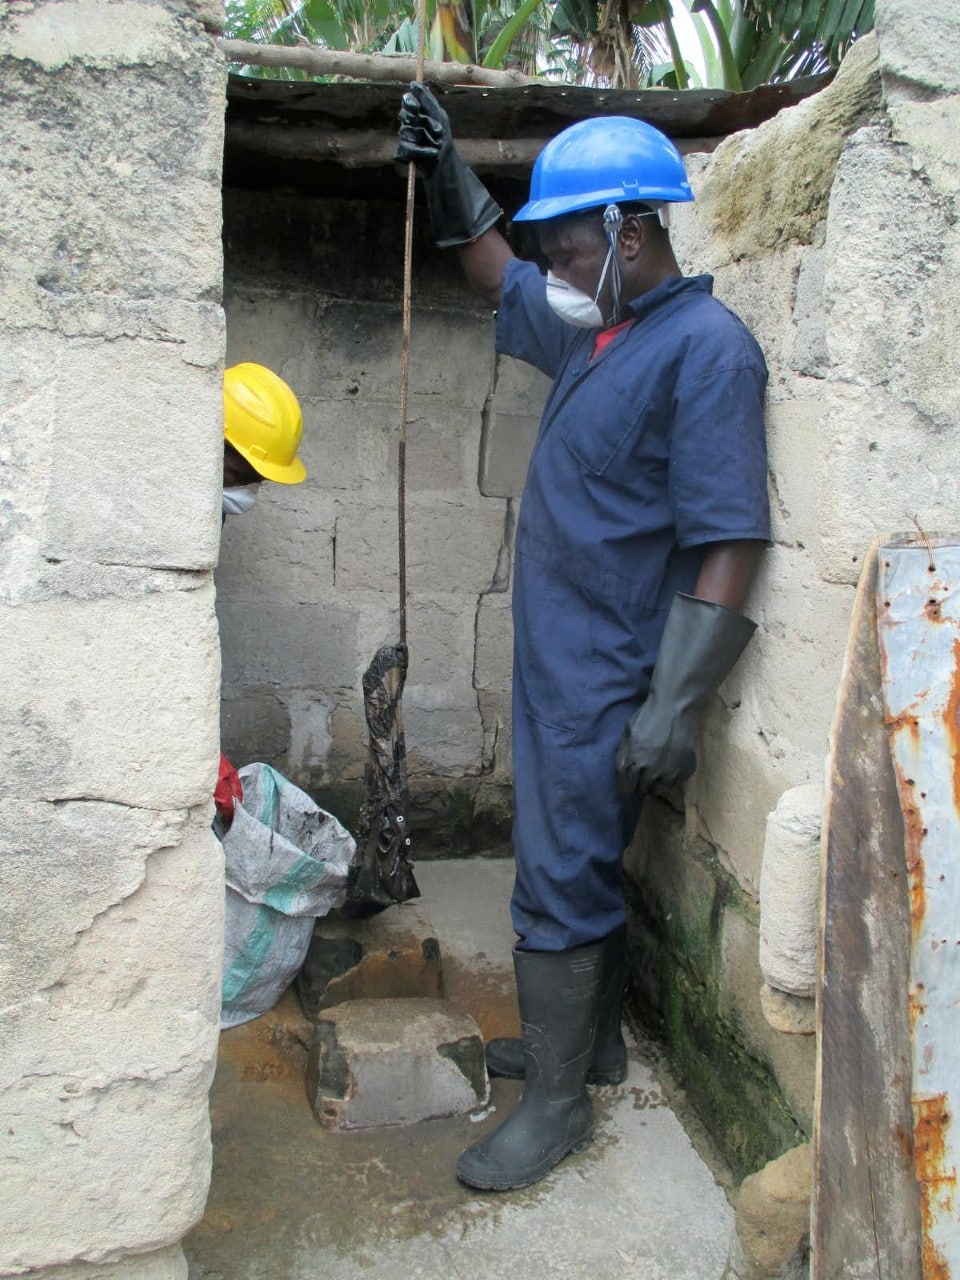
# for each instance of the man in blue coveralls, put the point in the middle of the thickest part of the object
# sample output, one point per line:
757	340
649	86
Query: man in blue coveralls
641	526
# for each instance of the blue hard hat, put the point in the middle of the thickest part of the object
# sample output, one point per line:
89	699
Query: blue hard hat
601	161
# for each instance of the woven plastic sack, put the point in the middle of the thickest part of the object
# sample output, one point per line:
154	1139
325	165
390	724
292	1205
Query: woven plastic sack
287	862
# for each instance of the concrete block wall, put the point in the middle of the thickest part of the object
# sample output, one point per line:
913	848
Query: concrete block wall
111	352
308	581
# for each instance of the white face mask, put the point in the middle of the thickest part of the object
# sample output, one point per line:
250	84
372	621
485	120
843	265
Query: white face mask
573	305
239	498
578	308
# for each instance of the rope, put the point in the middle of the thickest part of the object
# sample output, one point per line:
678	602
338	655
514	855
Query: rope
405	353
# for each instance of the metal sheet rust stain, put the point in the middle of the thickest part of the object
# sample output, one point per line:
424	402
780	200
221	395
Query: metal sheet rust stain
951	720
913	833
931	1120
918	614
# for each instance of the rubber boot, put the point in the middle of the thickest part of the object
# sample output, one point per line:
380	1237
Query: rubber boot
558	993
609	1064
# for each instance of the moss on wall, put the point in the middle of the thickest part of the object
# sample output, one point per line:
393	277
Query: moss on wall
735	1096
770	186
677	894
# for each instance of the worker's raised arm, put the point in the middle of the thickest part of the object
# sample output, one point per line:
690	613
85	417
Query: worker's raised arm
483	262
462	211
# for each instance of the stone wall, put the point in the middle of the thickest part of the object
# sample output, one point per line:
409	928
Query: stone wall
112	343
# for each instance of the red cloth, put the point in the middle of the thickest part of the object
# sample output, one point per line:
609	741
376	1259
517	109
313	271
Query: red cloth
606	336
228	791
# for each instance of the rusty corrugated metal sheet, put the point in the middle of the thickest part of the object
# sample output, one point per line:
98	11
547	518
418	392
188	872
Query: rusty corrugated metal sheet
918	615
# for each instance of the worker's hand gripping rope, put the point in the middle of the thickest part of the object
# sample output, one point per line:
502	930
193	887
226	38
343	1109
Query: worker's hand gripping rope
460	206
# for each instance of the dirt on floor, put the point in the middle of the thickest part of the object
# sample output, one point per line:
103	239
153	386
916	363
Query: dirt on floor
276	1171
291	1200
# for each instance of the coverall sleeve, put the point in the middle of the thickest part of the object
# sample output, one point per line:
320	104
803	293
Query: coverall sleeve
718	457
527	328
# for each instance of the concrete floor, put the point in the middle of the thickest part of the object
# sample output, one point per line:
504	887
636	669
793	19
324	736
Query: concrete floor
292	1201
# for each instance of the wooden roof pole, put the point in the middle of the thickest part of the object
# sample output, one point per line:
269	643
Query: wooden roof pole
368	66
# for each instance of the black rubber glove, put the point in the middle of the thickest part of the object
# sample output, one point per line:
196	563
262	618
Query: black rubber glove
460	206
701	642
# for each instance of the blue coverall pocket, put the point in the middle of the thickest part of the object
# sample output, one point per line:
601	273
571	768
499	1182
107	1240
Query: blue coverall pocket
598	438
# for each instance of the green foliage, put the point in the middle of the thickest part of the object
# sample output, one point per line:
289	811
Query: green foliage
574	18
617	43
759	41
253	19
509	32
800	37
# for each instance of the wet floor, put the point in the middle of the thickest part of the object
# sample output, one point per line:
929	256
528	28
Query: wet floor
290	1200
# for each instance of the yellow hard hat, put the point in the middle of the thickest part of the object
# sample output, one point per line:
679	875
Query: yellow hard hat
263	422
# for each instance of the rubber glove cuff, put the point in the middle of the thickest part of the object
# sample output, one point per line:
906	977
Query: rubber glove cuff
701	643
461	209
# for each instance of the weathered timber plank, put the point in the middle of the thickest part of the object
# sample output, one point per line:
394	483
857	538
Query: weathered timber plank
866	1220
364	148
354	148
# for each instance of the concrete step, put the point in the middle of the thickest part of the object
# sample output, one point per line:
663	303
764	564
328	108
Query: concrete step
392	954
376	1063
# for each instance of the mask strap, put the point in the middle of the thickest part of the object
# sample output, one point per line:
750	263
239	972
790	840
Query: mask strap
612	222
603	273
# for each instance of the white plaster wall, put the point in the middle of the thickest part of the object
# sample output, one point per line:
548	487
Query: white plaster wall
111	357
